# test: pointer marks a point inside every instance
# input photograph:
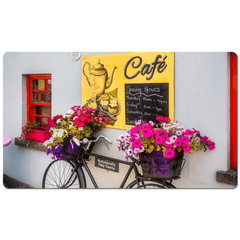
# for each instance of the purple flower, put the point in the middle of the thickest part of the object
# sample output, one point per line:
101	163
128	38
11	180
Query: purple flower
48	151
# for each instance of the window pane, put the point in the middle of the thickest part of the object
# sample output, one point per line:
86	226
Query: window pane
49	98
43	97
34	97
45	120
35	85
46	111
41	84
50	84
38	110
38	119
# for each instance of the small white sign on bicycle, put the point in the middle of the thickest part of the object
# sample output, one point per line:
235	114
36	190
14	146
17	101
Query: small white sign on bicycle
107	164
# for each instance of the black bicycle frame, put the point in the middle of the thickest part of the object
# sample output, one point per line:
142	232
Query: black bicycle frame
132	165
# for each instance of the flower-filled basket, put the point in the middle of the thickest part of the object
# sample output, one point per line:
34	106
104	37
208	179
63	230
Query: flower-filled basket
160	146
71	149
155	165
67	131
36	132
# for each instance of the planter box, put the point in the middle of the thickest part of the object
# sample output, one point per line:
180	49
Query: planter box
38	135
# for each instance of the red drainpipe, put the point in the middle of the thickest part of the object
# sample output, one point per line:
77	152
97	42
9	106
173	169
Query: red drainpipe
233	111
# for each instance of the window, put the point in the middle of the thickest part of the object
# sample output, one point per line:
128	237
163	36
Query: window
39	97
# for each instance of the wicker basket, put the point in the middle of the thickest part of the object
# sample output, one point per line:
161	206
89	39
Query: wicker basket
155	165
71	150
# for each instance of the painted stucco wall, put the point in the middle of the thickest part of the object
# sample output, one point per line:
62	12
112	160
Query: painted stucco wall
201	101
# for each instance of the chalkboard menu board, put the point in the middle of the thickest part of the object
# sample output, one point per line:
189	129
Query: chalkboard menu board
146	101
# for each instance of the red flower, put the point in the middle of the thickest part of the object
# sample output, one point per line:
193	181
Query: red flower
55	118
50	123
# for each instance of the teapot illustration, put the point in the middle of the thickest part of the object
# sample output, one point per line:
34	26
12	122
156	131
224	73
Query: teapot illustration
98	80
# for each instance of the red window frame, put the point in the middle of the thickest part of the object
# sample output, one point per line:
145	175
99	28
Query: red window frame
31	109
233	111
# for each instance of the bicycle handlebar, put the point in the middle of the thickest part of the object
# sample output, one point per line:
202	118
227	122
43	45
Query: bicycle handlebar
88	142
106	138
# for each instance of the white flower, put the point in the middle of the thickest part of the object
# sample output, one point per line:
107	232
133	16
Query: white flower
61	131
141	149
150	122
59	120
50	140
138	122
80	129
122	137
58	135
70	112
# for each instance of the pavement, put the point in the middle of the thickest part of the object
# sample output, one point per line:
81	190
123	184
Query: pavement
9	182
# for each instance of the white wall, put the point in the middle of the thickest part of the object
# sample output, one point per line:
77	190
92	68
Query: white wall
201	101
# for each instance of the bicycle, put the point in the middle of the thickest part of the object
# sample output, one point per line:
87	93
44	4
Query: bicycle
68	173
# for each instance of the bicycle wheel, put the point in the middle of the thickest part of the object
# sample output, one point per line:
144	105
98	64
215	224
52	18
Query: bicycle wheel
150	184
58	173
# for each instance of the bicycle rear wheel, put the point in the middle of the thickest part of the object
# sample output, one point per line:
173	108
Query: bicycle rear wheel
150	184
57	175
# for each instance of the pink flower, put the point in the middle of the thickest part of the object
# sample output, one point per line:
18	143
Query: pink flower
55	118
169	153
159	132
137	143
147	133
186	148
159	140
163	119
188	132
196	130
134	130
50	123
159	118
204	139
168	145
166	119
173	139
81	124
178	142
185	139
211	145
165	138
132	138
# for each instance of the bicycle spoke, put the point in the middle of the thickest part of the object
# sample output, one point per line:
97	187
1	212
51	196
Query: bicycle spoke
58	175
53	179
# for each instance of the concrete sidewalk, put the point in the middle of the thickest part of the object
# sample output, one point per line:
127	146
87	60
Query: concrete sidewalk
9	182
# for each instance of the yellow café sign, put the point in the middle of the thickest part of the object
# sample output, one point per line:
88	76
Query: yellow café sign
129	86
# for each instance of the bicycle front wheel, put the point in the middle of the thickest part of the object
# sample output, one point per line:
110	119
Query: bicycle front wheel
58	175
